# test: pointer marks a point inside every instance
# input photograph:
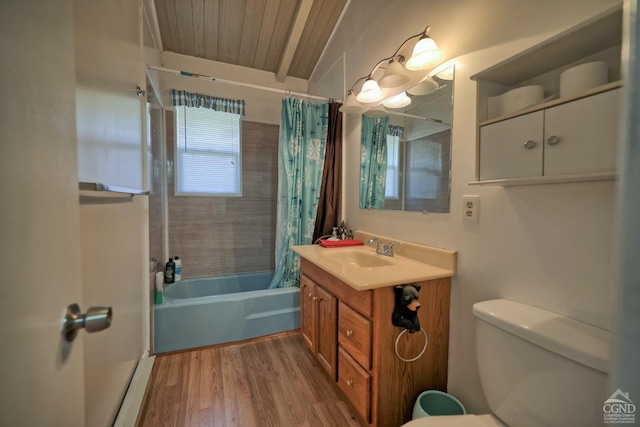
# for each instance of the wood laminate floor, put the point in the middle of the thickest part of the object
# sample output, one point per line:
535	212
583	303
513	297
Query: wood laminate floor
269	382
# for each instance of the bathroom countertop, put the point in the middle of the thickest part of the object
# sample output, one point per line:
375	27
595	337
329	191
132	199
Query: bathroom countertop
410	263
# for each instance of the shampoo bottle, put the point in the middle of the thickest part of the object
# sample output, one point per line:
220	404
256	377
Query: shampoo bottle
169	271
178	271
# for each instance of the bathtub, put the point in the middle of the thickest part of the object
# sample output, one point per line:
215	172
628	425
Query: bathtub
220	309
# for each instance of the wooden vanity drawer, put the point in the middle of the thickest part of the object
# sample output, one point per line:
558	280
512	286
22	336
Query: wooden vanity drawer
354	334
355	382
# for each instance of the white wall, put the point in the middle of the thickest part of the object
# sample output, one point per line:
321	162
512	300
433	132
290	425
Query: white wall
549	246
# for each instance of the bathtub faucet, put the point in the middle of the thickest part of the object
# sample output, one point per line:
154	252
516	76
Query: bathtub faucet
382	248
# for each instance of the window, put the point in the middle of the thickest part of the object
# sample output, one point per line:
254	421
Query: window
149	151
428	172
208	158
391	189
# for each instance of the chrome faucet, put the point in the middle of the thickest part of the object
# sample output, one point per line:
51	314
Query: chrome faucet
382	248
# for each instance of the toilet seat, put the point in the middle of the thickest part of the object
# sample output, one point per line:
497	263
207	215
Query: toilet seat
468	420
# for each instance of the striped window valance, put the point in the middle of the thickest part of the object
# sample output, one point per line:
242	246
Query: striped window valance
395	130
181	97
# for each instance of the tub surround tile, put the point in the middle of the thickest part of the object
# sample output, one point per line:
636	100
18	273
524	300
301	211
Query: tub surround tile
223	235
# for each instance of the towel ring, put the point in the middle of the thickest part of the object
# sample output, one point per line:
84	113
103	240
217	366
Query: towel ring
426	340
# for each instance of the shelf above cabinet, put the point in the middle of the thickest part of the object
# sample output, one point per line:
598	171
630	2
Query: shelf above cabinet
553	103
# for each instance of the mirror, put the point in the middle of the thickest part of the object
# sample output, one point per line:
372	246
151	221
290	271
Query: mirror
406	155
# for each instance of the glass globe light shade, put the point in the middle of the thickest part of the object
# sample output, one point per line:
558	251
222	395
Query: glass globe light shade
425	87
394	76
377	111
398	101
351	104
370	92
425	54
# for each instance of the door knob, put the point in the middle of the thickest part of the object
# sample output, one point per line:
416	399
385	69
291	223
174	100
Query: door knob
530	144
553	140
95	319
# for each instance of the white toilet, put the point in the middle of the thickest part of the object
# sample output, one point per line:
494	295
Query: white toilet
537	368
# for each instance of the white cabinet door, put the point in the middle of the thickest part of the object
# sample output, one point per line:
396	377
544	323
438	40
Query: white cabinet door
512	148
582	136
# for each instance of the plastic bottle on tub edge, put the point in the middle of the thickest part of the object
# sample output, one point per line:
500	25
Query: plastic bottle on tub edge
169	271
178	270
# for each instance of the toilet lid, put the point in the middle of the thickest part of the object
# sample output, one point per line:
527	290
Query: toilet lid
469	420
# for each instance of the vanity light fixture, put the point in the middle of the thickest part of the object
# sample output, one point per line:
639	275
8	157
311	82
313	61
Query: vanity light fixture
399	101
370	91
377	111
446	74
425	54
351	104
425	87
444	71
394	75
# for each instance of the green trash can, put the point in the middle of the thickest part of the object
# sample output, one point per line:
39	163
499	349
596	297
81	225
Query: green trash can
434	402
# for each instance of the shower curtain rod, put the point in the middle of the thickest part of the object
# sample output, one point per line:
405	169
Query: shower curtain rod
429	119
230	82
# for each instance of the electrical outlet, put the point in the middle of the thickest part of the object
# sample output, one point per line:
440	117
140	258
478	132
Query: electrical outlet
470	208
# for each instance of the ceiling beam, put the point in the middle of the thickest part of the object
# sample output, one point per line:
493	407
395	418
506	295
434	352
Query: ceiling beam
294	39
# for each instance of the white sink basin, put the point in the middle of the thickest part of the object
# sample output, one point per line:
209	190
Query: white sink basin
356	257
362	268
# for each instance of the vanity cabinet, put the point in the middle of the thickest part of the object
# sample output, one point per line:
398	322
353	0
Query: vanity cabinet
351	334
567	139
318	323
574	138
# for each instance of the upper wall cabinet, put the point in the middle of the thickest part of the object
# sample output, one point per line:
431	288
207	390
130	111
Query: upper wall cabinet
109	112
550	113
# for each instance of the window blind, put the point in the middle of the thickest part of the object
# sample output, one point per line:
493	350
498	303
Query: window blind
208	160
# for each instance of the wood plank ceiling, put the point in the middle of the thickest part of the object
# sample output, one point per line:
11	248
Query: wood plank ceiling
285	37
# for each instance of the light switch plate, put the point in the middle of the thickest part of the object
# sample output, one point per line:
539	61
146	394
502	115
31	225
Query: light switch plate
470	208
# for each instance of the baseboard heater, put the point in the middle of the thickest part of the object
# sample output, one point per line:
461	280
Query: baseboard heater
133	402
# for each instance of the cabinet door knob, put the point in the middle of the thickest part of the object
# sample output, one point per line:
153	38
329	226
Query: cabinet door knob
349	333
310	295
530	144
315	298
349	382
553	140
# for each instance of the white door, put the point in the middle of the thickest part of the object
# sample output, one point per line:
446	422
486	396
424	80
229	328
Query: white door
41	377
512	148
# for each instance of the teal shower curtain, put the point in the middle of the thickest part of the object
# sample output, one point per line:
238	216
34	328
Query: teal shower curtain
303	136
373	161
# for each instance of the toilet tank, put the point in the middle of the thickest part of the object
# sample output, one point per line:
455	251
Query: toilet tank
541	369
